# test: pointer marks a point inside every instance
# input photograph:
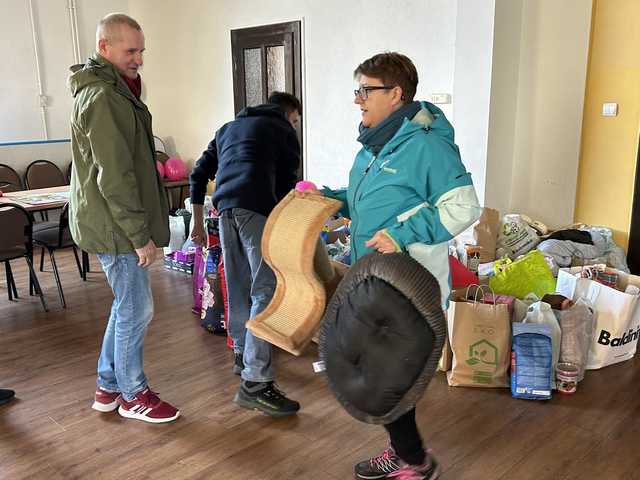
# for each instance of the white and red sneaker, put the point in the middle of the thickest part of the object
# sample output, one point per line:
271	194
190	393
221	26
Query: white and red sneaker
105	401
148	407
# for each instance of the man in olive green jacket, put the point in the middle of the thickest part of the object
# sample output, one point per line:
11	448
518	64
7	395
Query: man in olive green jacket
118	209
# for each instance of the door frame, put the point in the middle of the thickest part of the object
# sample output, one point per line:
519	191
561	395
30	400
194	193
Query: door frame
633	249
255	37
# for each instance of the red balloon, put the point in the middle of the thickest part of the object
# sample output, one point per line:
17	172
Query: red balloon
175	169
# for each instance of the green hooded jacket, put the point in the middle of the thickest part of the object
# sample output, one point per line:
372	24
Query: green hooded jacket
117	202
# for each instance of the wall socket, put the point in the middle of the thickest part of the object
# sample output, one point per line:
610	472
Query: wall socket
609	109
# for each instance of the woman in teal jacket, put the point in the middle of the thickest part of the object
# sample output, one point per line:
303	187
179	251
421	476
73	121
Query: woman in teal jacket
408	191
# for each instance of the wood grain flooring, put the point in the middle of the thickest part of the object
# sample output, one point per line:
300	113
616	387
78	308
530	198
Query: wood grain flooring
49	431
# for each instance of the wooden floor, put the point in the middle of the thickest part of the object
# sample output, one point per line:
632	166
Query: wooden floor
50	432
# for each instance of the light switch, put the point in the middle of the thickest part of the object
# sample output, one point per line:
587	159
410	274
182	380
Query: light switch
440	98
609	109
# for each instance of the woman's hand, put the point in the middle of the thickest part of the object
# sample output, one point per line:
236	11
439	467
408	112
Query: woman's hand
312	191
382	242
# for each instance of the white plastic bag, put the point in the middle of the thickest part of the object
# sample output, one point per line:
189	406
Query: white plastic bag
515	237
540	312
177	230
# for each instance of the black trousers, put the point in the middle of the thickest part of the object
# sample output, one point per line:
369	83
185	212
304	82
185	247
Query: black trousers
405	438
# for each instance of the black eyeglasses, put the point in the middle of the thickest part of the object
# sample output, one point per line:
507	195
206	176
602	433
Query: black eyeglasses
363	91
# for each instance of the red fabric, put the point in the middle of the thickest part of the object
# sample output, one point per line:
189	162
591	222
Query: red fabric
223	287
134	85
461	276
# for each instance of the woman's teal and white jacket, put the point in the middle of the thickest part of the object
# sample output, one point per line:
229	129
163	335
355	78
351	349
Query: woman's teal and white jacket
416	189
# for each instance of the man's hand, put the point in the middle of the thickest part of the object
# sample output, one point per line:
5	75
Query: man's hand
198	234
381	242
147	254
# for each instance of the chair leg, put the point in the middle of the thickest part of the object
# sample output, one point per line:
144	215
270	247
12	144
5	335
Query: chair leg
8	274
30	256
36	284
57	276
42	259
13	280
80	268
85	263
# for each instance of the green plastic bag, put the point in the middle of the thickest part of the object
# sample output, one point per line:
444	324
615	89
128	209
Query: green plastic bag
529	274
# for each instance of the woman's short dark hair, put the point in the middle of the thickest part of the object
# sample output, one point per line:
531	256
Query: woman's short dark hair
286	101
393	69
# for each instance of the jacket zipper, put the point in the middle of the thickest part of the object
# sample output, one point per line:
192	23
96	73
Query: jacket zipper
355	195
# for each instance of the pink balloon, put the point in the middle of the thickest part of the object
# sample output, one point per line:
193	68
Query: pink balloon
303	185
160	168
175	169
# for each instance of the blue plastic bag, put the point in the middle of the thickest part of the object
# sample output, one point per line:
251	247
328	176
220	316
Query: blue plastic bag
531	361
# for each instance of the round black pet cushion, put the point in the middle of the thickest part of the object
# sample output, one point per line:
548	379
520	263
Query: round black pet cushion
382	336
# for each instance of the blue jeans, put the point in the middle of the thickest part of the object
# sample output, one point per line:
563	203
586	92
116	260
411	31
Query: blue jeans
120	363
250	283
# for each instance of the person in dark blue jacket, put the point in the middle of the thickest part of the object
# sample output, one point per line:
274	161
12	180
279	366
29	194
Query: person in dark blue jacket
254	160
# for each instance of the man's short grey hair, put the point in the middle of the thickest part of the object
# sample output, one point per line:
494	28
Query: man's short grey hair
109	26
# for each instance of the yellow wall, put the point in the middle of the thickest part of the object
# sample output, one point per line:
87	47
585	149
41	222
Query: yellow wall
610	144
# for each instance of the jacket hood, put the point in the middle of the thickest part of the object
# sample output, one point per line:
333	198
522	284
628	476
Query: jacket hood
266	110
97	69
429	118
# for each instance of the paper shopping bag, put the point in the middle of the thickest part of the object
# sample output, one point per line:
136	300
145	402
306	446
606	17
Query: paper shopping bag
480	338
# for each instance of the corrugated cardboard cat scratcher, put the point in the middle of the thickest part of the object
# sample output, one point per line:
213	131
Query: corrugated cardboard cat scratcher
306	278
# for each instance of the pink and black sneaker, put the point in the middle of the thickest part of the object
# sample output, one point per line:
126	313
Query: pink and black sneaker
148	407
105	401
388	465
430	470
378	467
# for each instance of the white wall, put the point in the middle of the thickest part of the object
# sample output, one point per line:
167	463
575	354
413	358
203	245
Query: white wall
188	73
539	177
503	106
19	156
472	85
20	113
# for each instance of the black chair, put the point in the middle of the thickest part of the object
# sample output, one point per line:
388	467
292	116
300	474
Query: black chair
9	179
43	174
86	266
17	241
69	170
161	157
40	227
54	239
